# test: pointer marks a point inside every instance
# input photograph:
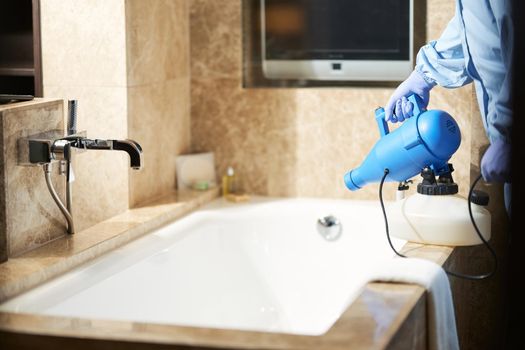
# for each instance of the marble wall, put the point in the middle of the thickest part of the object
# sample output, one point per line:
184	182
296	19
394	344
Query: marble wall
292	142
84	58
126	61
158	80
28	215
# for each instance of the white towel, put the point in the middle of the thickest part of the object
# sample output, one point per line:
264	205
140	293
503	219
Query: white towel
442	333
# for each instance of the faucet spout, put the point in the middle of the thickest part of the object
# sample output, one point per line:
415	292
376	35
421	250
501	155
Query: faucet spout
133	149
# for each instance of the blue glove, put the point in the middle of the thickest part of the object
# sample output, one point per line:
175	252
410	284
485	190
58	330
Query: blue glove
495	164
398	107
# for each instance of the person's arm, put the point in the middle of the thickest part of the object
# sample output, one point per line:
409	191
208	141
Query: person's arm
442	61
499	124
496	162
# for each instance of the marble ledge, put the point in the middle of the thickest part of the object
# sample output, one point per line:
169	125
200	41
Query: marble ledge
30	269
20	106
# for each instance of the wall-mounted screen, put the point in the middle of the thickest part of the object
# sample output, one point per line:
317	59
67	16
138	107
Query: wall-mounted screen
337	39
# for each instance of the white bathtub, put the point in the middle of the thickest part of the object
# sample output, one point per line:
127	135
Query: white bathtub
256	266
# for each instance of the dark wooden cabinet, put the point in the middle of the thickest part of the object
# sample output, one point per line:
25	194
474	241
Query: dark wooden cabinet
20	50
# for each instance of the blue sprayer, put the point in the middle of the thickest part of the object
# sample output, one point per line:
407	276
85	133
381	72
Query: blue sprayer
428	139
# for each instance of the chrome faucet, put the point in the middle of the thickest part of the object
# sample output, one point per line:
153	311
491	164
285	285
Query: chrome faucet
62	150
131	147
45	148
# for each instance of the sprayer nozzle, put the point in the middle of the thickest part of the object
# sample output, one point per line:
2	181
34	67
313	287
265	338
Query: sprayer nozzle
349	183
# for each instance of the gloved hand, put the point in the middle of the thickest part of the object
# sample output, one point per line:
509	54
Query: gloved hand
495	164
398	107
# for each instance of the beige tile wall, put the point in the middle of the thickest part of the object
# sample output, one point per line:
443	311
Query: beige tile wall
28	215
292	142
158	74
126	61
84	58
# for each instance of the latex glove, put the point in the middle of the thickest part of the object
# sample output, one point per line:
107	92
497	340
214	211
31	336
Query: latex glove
398	107
495	164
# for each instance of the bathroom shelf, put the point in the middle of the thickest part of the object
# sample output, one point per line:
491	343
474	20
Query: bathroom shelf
20	50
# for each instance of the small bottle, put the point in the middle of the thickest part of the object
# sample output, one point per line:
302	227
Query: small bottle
228	182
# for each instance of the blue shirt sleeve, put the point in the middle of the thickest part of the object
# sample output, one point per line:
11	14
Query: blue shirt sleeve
443	61
500	124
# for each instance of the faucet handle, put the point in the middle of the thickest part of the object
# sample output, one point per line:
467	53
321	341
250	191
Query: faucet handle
76	139
96	144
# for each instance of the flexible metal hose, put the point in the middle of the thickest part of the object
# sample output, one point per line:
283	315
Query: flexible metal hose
54	194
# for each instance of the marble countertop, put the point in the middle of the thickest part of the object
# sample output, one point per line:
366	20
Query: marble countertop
360	326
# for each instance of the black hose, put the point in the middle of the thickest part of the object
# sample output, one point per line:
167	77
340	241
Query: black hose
384	214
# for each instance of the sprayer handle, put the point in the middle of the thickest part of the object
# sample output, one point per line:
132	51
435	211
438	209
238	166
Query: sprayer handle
417	102
382	125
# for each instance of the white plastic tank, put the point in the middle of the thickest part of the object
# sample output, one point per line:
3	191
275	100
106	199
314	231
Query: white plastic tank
439	220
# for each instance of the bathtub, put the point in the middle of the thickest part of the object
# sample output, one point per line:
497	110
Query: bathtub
260	266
